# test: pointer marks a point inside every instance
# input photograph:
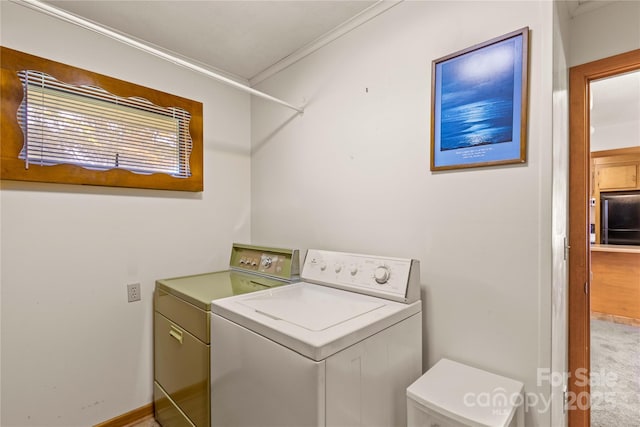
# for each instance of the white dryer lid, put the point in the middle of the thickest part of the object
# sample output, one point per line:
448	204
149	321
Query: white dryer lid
313	320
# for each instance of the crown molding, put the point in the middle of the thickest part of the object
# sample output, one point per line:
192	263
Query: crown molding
362	18
578	7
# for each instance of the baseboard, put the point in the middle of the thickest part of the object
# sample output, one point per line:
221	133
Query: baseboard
616	319
129	418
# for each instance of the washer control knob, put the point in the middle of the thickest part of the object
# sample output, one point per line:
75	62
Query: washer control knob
338	268
266	263
253	262
323	265
353	270
382	274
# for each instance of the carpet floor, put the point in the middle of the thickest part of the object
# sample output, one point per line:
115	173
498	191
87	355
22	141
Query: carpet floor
615	374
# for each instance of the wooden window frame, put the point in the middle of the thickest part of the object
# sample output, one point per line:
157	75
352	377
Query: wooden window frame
12	137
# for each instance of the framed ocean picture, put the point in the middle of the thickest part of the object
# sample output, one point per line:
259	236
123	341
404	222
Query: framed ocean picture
479	104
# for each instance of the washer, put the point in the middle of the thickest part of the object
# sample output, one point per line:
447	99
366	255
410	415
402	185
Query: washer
337	349
181	340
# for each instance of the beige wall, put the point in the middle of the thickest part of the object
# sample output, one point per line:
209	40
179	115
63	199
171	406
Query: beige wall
74	352
560	194
605	31
352	174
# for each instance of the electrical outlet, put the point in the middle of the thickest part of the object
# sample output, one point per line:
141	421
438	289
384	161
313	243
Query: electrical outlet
133	292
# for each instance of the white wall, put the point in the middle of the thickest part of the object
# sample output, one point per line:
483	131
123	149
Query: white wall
352	174
560	194
617	135
74	352
605	32
598	34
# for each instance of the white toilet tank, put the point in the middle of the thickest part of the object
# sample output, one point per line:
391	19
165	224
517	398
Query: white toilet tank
451	394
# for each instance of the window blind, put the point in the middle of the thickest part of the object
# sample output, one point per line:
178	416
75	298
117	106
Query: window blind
92	128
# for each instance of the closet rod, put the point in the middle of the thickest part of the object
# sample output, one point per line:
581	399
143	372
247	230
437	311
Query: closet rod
66	16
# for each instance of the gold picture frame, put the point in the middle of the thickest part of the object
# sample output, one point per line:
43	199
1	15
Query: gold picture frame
479	99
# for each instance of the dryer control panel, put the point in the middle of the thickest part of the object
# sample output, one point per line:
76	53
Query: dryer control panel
395	279
279	263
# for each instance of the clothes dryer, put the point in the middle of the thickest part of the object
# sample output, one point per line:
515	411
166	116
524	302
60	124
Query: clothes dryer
182	343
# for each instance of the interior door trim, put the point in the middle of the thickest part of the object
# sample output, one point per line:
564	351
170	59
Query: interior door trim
579	192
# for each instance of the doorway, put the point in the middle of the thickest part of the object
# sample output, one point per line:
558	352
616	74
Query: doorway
580	180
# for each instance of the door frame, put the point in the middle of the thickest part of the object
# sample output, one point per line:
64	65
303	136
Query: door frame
579	194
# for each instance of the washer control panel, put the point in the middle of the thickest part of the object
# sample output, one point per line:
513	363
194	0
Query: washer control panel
390	278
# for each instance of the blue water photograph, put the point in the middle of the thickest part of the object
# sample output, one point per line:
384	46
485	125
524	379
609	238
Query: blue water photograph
477	97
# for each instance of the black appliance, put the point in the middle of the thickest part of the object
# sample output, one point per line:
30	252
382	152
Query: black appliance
620	218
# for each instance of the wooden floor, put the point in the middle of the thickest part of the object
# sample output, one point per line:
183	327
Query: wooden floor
146	422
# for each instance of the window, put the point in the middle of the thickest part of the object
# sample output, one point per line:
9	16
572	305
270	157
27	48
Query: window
63	124
84	126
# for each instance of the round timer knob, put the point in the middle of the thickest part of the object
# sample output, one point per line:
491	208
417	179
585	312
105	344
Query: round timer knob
382	274
266	263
